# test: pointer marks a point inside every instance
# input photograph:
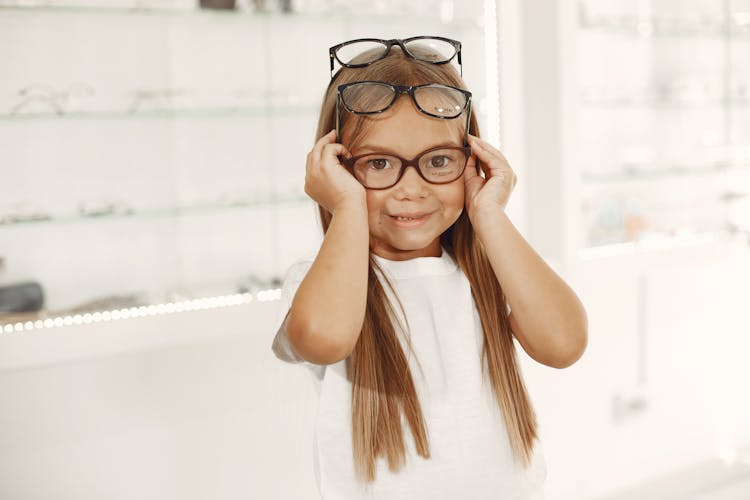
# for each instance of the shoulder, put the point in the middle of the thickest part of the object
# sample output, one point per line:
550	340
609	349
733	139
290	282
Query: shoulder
298	269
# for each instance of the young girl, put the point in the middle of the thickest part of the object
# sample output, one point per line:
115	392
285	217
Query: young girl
424	400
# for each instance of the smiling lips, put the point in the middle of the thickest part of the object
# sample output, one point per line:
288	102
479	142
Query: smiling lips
412	215
410	219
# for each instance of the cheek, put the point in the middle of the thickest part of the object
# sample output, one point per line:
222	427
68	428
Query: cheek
374	206
453	198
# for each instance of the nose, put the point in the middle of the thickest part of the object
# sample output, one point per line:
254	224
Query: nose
411	182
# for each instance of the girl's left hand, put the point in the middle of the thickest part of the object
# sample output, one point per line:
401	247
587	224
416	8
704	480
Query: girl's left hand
488	194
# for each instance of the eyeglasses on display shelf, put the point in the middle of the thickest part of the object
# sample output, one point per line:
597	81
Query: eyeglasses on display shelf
157	100
20	218
103	4
105	208
43	98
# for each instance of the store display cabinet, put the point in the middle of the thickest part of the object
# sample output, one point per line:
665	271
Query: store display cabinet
664	114
153	152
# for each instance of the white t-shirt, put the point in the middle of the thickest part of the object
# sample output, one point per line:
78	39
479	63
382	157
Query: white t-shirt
471	455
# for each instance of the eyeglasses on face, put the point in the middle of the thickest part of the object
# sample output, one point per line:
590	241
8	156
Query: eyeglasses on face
365	51
437	165
372	97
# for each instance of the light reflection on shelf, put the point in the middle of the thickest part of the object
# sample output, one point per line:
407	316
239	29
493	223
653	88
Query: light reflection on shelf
139	312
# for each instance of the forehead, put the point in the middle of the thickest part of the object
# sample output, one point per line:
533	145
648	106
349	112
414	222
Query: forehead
404	130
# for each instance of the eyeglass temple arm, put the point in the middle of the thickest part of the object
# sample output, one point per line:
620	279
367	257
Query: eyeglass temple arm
338	117
468	123
461	66
466	139
330	56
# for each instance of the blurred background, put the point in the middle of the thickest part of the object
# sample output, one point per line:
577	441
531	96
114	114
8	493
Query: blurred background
152	159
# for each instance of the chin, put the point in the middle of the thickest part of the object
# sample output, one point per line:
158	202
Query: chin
409	244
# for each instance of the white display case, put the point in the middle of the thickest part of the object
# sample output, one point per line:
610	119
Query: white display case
153	152
635	126
664	114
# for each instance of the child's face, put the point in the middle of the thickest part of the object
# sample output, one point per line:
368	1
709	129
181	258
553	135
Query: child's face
407	132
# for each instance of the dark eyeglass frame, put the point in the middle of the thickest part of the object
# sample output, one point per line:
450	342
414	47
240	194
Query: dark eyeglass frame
401	42
397	91
349	163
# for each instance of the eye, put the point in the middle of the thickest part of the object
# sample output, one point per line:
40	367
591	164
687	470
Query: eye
439	161
379	163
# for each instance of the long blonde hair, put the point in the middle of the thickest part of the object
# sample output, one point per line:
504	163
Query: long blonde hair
382	386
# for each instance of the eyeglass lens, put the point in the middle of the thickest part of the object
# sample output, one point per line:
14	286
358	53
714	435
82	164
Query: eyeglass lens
426	49
373	97
378	170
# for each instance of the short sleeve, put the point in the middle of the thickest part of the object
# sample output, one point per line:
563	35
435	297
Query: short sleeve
281	346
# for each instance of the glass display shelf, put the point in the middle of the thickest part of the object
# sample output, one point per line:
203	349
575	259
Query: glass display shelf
628	210
658	172
118	211
172	169
699	25
655	103
188	113
665	29
442	12
662	101
658	242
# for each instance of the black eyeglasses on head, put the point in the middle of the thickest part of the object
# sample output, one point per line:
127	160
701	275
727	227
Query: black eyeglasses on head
372	97
365	51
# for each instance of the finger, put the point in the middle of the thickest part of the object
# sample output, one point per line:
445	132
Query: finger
471	169
486	148
492	161
332	152
317	150
480	147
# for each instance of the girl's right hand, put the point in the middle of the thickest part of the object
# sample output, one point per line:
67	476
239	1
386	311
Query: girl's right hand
327	181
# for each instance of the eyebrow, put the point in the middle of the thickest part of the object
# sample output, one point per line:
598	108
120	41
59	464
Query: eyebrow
377	149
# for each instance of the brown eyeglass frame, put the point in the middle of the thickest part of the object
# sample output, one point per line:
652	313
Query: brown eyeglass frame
349	164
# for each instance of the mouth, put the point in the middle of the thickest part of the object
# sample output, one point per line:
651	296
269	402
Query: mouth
410	219
410	216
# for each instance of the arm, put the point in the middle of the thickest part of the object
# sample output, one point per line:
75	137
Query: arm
547	317
328	309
